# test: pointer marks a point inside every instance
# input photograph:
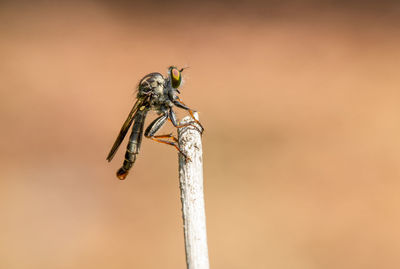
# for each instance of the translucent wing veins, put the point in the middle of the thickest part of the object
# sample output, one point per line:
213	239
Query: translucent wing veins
125	128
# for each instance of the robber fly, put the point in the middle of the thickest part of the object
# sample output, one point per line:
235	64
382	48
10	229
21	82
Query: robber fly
158	93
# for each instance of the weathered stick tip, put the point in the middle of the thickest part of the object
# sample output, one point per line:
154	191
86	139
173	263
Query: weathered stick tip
192	196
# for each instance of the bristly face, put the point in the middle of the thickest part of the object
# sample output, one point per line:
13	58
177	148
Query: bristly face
176	76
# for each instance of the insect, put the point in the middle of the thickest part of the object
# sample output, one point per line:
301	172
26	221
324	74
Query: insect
158	93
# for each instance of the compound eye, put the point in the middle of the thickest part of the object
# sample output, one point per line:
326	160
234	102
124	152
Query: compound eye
175	77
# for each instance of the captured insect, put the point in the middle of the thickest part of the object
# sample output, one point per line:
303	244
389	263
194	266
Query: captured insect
158	93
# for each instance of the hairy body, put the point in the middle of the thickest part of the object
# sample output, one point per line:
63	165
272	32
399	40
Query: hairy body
157	93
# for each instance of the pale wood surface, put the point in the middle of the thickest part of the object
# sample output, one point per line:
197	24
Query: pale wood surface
192	197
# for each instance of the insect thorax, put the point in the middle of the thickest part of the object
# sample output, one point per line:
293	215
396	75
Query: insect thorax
155	86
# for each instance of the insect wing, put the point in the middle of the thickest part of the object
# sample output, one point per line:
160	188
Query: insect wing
124	129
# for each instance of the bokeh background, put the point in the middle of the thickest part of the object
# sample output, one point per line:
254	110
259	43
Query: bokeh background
301	104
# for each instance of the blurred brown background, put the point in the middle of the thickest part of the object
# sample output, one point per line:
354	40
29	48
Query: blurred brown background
301	104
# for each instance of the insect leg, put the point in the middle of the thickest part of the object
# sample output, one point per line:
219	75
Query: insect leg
133	147
155	126
172	117
180	104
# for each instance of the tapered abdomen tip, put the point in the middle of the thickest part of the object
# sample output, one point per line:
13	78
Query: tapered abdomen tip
122	173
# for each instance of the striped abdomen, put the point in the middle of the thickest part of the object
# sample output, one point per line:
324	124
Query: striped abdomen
133	145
